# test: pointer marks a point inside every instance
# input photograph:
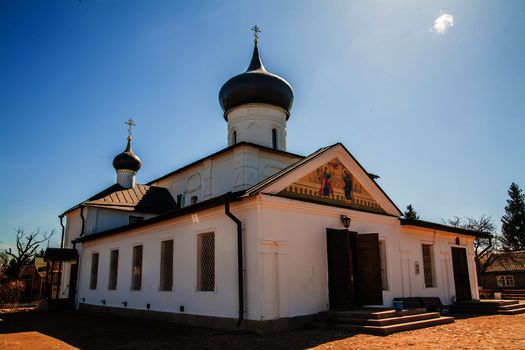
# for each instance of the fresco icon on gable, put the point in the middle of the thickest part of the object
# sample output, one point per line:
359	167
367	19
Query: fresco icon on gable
332	183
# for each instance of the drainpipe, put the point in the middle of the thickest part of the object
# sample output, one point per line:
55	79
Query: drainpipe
83	220
63	229
240	267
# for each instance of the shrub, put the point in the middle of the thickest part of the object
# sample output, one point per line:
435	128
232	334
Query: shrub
10	291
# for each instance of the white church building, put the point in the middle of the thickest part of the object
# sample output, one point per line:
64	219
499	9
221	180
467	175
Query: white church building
253	236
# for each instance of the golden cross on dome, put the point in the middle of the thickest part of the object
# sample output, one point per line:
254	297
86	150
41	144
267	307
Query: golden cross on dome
256	32
131	124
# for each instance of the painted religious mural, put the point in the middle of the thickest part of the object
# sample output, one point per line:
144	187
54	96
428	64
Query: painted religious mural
332	183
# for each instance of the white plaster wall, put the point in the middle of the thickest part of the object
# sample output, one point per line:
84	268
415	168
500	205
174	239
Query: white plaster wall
414	284
254	123
222	302
106	219
73	227
292	244
235	170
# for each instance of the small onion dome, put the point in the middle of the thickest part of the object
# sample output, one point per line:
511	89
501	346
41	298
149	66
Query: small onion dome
256	85
127	160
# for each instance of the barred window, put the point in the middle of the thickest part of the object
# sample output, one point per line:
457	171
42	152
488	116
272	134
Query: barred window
206	262
505	281
166	265
113	270
136	272
382	255
94	271
428	265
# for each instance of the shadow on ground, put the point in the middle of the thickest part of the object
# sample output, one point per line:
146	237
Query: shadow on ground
88	331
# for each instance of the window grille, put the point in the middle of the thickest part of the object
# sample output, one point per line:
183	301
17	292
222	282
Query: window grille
166	265
136	277
94	271
113	270
428	267
505	281
206	268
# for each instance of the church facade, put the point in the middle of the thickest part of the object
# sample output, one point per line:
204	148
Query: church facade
254	236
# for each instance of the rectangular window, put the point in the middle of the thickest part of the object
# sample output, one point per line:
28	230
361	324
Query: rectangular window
206	262
382	255
136	272
505	281
94	271
166	265
113	270
428	265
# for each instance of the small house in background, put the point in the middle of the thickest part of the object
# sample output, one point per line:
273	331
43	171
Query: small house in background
504	272
34	275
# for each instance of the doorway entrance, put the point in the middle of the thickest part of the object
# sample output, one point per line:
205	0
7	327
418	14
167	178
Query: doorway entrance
461	276
354	269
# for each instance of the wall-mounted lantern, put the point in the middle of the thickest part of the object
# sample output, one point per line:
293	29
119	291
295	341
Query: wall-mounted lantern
346	221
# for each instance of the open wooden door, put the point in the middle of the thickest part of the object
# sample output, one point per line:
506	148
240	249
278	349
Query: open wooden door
368	269
461	276
341	287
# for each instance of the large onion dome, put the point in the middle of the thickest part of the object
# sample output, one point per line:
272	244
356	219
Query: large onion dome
127	160
256	85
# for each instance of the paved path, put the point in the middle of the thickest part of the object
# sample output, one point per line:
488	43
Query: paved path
69	330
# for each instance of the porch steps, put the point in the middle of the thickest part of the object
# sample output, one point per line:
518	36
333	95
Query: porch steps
489	307
516	294
382	322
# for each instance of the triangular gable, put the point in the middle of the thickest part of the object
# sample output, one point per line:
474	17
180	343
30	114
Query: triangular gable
332	176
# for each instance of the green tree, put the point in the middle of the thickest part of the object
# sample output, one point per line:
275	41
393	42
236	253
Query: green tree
513	222
410	213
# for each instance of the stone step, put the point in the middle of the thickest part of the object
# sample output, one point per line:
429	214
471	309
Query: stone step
510	310
370	314
486	304
379	321
402	319
385	330
513	296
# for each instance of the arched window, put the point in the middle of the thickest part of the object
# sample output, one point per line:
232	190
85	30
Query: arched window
274	138
234	137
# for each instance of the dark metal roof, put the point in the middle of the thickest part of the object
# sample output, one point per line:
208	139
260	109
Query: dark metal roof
60	254
210	203
441	227
141	198
256	85
127	160
506	262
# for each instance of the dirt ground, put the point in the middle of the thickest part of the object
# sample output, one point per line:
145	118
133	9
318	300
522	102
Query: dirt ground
69	330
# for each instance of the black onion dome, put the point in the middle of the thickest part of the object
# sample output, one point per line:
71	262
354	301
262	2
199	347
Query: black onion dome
256	85
127	160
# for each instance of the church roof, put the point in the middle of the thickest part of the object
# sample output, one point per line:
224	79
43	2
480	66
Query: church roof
141	198
447	228
210	203
279	175
224	150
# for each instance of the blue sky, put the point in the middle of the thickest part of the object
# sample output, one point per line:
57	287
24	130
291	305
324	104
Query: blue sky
438	115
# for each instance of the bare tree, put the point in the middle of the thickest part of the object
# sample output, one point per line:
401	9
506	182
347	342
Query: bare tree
26	247
483	247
